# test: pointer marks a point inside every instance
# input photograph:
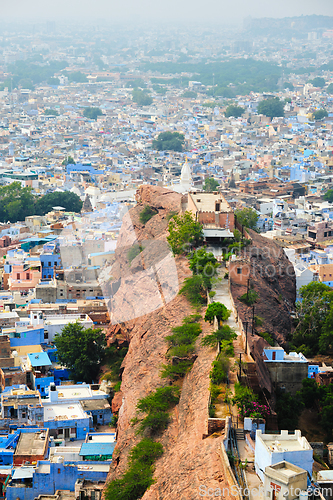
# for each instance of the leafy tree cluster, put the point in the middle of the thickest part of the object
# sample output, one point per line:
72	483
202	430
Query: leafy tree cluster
157	405
70	201
134	251
329	89
92	113
77	77
320	114
318	82
328	196
209	105
185	233
259	76
316	396
210	185
81	350
147	213
189	94
139	474
203	266
218	311
224	334
314	331
288	408
233	110
53	81
247	217
16	202
30	72
160	90
181	348
114	356
51	112
271	107
141	98
169	141
68	161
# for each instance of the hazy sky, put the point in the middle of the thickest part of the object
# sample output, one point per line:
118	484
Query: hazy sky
194	10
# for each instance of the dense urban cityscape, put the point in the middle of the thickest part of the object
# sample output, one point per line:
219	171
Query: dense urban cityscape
166	260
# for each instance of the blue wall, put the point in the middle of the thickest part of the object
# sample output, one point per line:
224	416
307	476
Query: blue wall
62	476
46	260
28	337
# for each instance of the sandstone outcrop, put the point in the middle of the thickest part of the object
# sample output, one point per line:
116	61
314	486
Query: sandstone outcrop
272	276
144	284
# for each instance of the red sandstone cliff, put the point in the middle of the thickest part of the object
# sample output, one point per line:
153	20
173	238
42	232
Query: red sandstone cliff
188	459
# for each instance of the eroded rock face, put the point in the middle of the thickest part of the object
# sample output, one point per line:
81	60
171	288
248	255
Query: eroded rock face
273	278
188	460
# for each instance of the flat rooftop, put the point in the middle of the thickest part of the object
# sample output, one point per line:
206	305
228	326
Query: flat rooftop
63	412
205	202
284	441
95	404
107	437
32	443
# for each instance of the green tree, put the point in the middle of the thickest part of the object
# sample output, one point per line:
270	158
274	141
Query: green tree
329	89
77	77
147	213
233	110
184	233
53	81
81	350
271	107
204	264
68	161
247	217
49	111
189	94
16	202
328	196
314	313
318	82
70	201
210	184
141	98
169	141
92	113
218	310
320	114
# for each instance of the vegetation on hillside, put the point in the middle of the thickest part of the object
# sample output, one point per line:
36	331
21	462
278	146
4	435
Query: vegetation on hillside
81	350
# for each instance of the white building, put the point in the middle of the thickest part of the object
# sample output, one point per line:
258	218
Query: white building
274	448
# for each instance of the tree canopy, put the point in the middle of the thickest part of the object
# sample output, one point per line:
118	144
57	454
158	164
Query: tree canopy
320	114
92	113
271	107
318	82
16	202
184	233
142	98
189	94
81	350
210	184
218	310
314	331
329	89
169	141
51	112
247	217
328	196
233	110
70	201
68	161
